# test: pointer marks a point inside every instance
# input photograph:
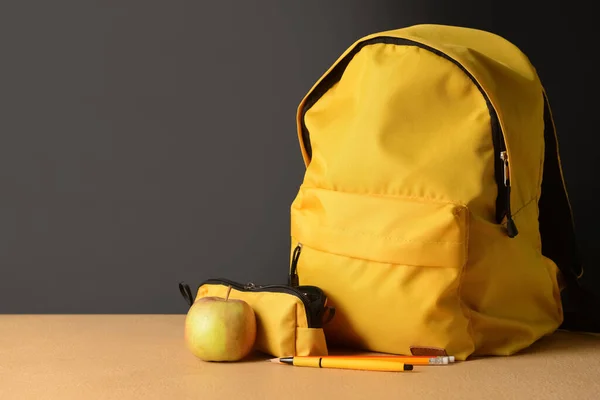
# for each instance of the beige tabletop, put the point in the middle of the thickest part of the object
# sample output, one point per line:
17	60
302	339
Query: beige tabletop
144	357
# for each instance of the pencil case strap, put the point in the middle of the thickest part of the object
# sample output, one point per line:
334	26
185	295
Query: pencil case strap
186	292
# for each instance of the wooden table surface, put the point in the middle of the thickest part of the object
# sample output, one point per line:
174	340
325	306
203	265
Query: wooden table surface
89	357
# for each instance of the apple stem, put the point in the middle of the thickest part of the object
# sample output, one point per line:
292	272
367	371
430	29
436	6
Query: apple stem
228	291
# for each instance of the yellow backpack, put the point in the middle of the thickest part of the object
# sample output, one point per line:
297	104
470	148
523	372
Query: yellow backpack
433	212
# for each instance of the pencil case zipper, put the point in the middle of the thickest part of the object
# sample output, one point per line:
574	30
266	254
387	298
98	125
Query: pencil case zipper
312	297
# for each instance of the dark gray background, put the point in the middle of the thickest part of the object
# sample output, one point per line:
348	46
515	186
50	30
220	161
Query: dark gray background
148	142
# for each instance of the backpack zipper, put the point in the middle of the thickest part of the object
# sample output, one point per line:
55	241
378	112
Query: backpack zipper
251	287
511	227
503	208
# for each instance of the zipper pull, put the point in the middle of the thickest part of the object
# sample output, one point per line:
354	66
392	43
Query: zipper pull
293	278
505	173
511	227
249	286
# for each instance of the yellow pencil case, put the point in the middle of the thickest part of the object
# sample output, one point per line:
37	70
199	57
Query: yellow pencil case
289	320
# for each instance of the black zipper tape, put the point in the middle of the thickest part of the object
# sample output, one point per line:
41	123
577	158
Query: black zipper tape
503	198
312	297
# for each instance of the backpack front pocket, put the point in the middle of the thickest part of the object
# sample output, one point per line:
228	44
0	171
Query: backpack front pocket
391	266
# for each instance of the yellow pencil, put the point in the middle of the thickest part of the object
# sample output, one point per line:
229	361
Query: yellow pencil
415	360
358	363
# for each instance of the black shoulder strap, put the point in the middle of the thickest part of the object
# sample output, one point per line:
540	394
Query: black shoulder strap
556	219
557	230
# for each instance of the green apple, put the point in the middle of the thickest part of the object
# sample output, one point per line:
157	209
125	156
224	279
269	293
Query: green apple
220	329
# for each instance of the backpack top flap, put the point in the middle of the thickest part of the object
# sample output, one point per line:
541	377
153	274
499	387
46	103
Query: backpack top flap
503	75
